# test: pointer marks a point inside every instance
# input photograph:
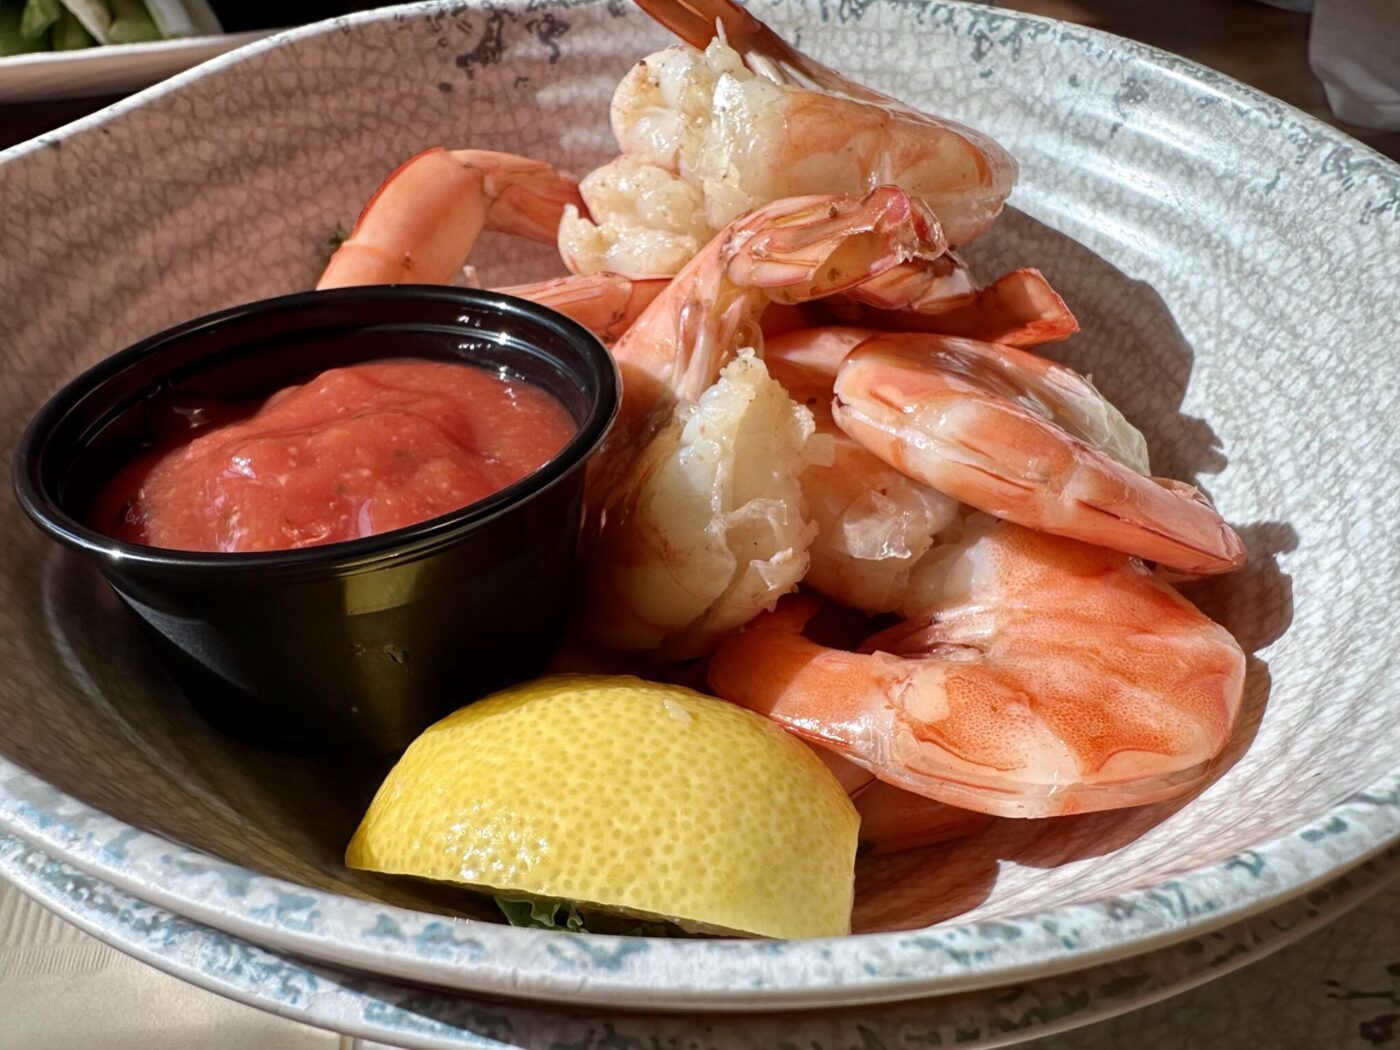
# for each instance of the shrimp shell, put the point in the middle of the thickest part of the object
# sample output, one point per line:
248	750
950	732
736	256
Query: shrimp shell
1048	677
1025	439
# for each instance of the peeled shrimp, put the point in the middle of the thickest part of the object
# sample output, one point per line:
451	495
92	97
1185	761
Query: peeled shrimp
421	223
1044	677
708	134
695	519
707	529
1025	439
645	220
874	524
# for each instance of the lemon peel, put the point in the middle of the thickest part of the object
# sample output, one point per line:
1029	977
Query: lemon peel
643	799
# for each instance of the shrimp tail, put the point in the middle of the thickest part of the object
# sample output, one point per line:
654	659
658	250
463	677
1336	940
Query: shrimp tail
422	221
606	303
1020	309
823	246
527	197
697	22
789	251
921	286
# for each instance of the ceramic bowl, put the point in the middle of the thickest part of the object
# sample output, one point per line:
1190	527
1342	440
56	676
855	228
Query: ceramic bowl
1233	264
401	1015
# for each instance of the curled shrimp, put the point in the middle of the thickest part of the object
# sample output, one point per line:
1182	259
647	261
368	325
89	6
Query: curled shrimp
422	221
874	524
1044	677
708	131
1025	439
695	509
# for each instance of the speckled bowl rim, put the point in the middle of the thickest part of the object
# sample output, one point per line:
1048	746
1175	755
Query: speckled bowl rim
713	974
366	1007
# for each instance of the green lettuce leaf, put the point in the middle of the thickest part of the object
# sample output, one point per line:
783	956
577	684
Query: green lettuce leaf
37	17
69	34
12	40
548	914
542	914
131	24
94	16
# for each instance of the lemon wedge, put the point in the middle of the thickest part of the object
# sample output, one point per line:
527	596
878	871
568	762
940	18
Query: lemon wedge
627	796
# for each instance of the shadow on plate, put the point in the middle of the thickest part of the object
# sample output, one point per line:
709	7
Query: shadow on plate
121	737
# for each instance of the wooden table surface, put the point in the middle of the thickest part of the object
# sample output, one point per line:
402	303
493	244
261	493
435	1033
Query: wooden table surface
1260	45
1255	43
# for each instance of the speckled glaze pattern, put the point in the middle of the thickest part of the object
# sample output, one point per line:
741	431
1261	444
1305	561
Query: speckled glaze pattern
1234	266
415	1017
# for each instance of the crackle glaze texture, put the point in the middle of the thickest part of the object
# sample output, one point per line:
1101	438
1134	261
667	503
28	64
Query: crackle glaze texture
1233	263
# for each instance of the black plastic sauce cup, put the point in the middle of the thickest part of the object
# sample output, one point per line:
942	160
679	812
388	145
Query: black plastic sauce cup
355	646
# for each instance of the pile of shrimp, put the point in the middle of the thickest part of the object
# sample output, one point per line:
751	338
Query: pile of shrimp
843	488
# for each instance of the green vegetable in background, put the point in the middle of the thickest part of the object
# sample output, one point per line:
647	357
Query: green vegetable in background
38	16
131	23
69	34
12	41
176	18
67	25
93	15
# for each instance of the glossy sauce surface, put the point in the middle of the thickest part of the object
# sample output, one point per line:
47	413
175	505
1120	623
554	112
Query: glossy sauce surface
354	452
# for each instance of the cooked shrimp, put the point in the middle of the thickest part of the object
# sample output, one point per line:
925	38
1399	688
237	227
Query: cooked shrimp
1020	309
709	134
932	287
874	524
645	220
421	223
789	251
1045	677
1025	439
853	778
606	304
697	526
707	529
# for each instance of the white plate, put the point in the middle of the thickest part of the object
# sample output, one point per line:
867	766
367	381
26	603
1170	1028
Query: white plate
109	70
414	1017
1233	263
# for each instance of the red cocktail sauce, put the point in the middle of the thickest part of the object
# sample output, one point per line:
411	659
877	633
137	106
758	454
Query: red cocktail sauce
353	452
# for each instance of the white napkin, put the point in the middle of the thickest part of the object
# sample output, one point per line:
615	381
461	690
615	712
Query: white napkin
63	990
